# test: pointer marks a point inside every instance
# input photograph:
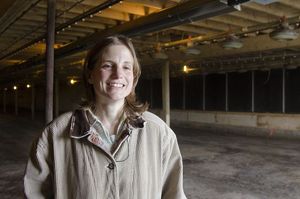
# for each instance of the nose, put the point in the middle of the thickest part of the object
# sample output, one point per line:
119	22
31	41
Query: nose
117	71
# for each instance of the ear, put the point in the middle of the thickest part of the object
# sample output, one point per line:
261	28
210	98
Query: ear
89	79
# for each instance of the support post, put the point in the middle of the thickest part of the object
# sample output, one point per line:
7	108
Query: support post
283	89
183	92
16	102
252	91
203	92
4	100
56	97
226	92
32	101
166	92
151	91
50	60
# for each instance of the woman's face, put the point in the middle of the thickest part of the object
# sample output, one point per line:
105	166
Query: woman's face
112	78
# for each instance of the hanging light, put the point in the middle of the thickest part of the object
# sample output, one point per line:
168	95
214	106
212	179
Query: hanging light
159	54
191	49
284	32
232	42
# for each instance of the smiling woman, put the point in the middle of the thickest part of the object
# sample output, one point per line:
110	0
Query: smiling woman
112	78
111	147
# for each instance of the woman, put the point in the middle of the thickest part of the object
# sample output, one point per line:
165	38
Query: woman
111	148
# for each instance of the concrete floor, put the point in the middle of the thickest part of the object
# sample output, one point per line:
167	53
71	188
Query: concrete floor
216	165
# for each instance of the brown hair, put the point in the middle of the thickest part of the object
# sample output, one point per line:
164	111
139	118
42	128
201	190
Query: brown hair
132	106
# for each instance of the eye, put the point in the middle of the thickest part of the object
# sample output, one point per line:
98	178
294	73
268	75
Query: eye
106	66
127	67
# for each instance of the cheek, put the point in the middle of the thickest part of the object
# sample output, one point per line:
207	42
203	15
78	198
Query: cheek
96	77
131	79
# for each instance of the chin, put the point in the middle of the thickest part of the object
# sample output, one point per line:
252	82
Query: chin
117	98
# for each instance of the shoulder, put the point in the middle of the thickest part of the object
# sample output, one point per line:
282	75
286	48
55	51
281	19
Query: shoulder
153	119
61	122
56	127
153	122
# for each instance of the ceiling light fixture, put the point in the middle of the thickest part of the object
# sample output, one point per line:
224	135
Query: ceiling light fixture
232	42
158	54
191	50
284	32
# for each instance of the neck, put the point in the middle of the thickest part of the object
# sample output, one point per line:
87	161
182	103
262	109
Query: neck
109	114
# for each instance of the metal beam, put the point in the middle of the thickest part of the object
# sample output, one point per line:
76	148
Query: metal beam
181	14
65	25
16	11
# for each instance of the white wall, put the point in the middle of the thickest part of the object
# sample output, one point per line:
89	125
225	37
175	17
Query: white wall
271	124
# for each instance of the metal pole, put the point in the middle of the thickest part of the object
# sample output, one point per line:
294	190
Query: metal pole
4	100
226	92
166	92
16	102
252	91
203	92
50	60
151	92
283	90
32	101
56	97
183	92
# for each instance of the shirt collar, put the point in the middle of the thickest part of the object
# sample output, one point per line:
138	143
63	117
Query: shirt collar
82	120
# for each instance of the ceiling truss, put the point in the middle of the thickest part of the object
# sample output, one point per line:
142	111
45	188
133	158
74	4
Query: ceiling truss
22	31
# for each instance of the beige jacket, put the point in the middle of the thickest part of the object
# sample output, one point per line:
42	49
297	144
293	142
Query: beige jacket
68	162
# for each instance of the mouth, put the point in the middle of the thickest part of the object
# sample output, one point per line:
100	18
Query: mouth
116	85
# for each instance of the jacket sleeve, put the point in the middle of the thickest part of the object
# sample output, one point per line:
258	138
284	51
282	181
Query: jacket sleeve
38	172
173	168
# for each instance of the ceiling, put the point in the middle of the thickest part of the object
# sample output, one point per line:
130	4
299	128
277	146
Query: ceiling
5	4
23	33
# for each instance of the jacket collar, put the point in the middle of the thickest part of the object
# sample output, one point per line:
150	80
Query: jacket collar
82	120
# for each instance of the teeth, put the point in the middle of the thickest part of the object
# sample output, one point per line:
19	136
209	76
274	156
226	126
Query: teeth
116	85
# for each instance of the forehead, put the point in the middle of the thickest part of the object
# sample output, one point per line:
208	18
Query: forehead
117	51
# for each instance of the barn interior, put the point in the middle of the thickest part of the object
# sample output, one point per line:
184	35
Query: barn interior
223	74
